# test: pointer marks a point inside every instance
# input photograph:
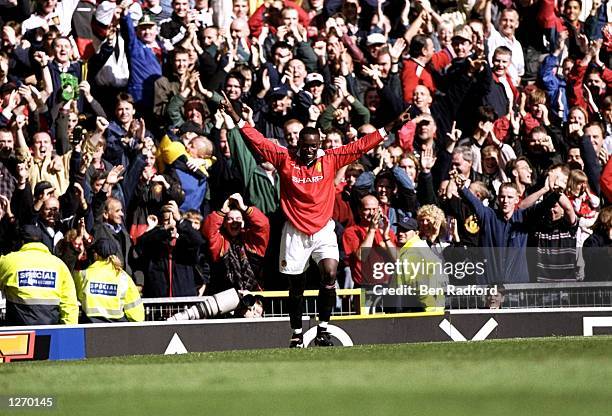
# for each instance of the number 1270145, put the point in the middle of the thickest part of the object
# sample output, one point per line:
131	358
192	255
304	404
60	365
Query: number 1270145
28	401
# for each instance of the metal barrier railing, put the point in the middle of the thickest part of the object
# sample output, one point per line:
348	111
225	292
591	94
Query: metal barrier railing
543	295
274	302
355	302
352	302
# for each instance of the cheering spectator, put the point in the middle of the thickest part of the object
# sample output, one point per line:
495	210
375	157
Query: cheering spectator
238	236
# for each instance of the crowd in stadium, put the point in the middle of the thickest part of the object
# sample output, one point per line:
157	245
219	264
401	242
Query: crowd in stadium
152	133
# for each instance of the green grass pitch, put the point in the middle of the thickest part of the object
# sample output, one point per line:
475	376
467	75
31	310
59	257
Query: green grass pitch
552	376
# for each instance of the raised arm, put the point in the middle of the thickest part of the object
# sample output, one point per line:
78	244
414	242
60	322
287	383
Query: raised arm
258	231
568	209
591	164
488	21
211	230
268	150
349	153
242	153
476	203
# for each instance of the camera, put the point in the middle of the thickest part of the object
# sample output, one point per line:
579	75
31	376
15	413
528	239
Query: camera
77	135
211	306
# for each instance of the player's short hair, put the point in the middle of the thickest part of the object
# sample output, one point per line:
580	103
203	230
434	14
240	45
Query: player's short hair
309	131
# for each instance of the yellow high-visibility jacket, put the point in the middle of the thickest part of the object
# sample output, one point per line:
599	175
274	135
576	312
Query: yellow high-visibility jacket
108	294
38	287
422	270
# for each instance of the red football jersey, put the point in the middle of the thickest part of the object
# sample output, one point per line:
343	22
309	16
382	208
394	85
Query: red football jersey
307	191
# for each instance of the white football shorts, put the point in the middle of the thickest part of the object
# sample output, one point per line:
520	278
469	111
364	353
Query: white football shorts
297	247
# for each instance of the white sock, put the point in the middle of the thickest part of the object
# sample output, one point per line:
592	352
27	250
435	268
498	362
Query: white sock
323	325
297	331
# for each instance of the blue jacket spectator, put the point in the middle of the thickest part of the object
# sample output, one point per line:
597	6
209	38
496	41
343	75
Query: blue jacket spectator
145	55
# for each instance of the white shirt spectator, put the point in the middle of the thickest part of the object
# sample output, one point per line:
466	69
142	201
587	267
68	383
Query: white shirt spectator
517	68
61	17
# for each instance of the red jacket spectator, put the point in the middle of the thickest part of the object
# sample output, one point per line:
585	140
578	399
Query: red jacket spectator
415	74
255	235
237	244
256	21
352	239
576	81
417	68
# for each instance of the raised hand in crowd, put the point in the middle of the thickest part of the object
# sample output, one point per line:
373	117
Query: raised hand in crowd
40	199
314	112
41	58
138	129
453	137
79	194
247	114
114	176
5	209
428	160
237	201
85	89
26	93
152	222
459	179
320	50
397	50
85	162
265	84
101	125
373	72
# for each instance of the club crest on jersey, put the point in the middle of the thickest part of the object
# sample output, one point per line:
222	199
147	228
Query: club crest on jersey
318	167
471	224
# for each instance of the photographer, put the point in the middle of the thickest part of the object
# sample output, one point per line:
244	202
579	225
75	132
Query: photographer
170	252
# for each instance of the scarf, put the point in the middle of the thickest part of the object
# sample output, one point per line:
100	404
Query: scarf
238	268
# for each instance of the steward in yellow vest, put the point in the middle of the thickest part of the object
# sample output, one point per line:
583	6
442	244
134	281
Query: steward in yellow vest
38	287
107	293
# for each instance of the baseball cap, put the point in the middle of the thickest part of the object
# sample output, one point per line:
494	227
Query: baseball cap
279	91
407	224
464	32
314	77
146	20
375	39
